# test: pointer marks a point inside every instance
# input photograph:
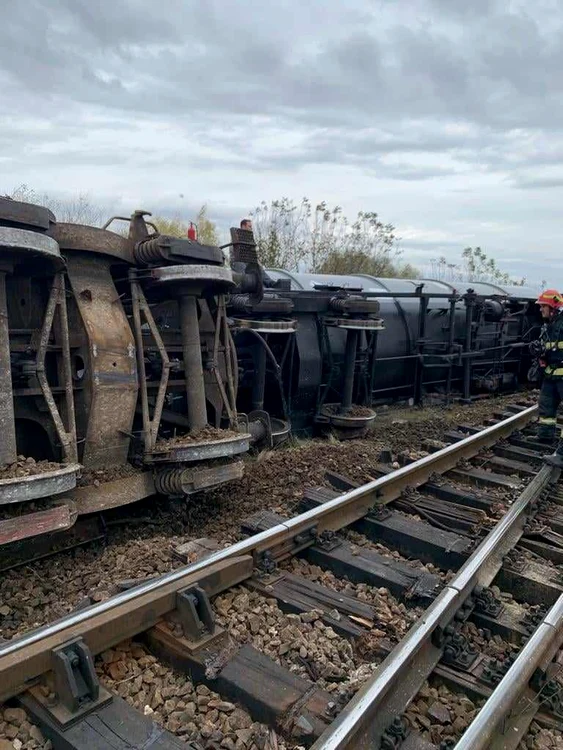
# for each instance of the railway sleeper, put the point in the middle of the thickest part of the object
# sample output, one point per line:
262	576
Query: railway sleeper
531	580
346	615
406	535
519	440
460	496
506	450
450	551
116	725
459	510
509	467
359	564
270	693
452	517
75	712
482	478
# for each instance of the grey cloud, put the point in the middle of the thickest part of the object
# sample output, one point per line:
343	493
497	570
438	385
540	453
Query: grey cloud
480	9
254	94
539	183
223	64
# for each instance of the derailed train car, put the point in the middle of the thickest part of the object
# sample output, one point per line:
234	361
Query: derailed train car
434	338
139	364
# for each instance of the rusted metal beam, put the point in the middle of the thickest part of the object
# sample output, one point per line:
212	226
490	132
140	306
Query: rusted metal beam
140	305
110	383
32	524
66	434
8	450
113	494
193	367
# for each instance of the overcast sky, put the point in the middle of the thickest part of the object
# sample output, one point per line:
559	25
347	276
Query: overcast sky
444	116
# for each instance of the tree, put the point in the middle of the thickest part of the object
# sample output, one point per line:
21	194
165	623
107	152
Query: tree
304	237
282	230
475	265
480	267
344	262
206	229
172	227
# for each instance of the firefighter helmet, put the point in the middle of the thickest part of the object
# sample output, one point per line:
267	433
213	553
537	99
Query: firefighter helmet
551	298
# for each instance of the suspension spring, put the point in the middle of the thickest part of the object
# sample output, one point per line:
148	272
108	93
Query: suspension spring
150	250
169	482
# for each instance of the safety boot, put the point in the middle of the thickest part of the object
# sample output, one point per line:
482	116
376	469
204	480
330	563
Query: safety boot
555	459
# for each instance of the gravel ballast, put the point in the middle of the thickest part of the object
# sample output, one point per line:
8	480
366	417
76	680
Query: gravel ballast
140	538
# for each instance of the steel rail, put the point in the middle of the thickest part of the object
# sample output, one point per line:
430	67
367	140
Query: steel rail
21	654
401	674
485	728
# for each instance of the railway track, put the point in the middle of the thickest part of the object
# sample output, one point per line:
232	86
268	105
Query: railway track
466	537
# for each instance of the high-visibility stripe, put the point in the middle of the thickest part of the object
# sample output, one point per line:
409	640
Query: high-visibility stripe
557	371
554	344
547	420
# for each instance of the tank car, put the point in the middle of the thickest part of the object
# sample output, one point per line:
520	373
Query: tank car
419	338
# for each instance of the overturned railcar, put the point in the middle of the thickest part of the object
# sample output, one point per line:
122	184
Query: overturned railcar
417	338
118	369
134	364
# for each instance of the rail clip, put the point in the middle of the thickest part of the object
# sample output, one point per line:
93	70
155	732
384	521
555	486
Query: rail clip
195	613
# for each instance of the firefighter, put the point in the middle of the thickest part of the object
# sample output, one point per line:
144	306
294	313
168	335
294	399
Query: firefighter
549	350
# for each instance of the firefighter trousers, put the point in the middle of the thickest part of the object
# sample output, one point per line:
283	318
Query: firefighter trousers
551	395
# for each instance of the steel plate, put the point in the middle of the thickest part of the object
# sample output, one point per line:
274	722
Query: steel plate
93	240
25	241
341	420
356	325
20	489
26	214
198	275
267	326
203	451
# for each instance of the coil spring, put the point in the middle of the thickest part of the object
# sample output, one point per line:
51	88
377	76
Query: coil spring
354	305
239	302
339	304
169	481
150	251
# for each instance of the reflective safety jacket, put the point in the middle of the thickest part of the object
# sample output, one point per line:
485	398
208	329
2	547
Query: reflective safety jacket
552	339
